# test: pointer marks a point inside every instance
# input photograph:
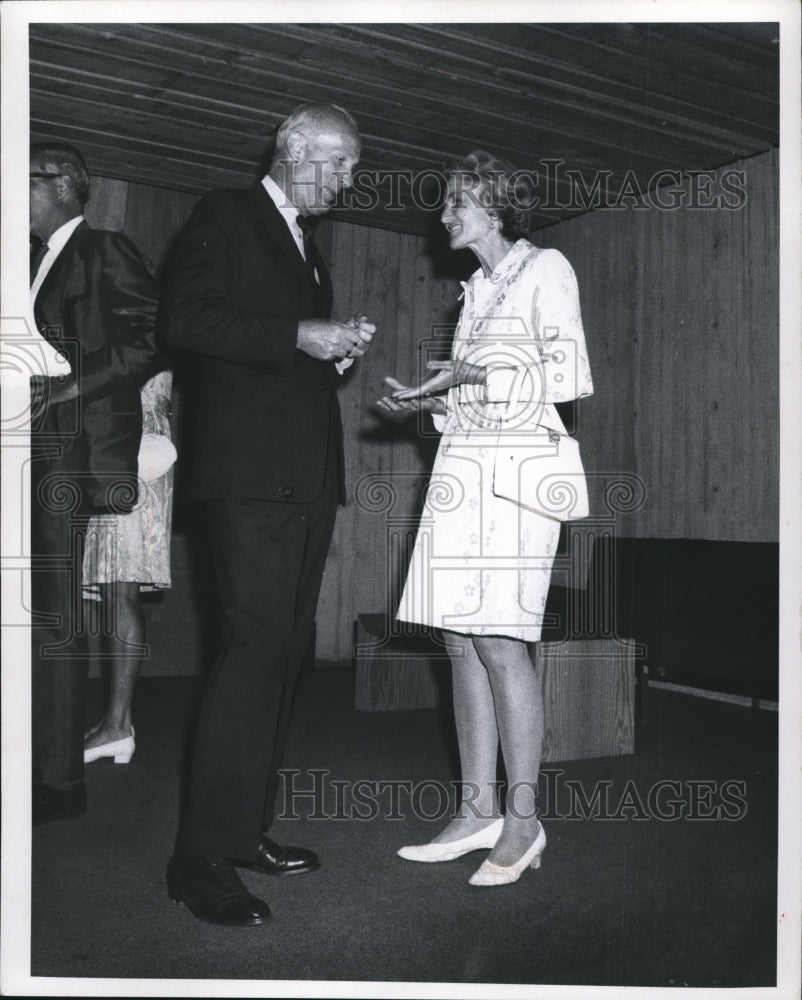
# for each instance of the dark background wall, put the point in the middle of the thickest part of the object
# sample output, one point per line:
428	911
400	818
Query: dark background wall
681	318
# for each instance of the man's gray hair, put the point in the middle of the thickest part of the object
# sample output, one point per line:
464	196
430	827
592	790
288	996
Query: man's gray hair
315	119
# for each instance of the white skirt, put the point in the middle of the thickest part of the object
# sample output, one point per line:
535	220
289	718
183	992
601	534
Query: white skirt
481	565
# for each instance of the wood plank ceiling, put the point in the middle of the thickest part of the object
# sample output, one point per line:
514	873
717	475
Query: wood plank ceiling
194	106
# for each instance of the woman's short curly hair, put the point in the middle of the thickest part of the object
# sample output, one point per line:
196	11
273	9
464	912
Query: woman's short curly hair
507	193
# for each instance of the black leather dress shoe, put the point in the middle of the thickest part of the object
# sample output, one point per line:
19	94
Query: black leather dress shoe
275	860
55	803
212	891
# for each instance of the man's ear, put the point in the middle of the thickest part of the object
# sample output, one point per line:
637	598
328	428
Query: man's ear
64	187
296	145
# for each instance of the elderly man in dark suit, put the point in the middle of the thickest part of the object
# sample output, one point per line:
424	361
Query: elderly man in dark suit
251	297
95	303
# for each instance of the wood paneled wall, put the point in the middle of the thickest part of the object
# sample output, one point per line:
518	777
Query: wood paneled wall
681	318
394	280
681	313
152	217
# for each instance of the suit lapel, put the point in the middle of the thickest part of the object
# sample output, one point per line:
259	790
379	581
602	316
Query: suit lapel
57	274
277	228
49	306
279	232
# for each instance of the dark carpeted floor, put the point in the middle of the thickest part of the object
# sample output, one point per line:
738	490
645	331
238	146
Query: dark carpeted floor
624	897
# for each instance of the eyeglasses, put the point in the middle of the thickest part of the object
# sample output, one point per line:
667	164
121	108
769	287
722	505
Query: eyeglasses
32	175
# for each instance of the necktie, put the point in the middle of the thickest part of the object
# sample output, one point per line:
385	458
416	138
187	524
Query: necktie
38	253
305	225
310	252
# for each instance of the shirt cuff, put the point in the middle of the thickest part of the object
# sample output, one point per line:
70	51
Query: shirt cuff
439	420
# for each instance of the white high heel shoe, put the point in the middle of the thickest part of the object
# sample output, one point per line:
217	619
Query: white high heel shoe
121	750
491	874
482	840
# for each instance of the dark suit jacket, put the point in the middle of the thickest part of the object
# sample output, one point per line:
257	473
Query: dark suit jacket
268	415
98	304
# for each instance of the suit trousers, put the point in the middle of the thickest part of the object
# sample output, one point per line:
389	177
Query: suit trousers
268	559
59	645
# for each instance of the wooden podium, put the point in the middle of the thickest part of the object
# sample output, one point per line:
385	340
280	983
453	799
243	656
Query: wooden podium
588	697
588	685
407	668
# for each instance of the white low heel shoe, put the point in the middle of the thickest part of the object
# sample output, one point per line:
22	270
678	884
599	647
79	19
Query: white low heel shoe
490	874
482	840
121	750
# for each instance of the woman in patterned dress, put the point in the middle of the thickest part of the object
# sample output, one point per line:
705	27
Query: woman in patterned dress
482	559
125	555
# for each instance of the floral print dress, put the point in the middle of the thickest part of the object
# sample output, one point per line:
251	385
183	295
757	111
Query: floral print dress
135	547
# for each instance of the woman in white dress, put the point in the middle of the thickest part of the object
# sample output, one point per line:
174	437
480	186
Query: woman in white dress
482	560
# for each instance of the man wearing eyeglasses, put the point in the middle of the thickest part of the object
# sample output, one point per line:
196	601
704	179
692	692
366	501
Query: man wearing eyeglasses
95	304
